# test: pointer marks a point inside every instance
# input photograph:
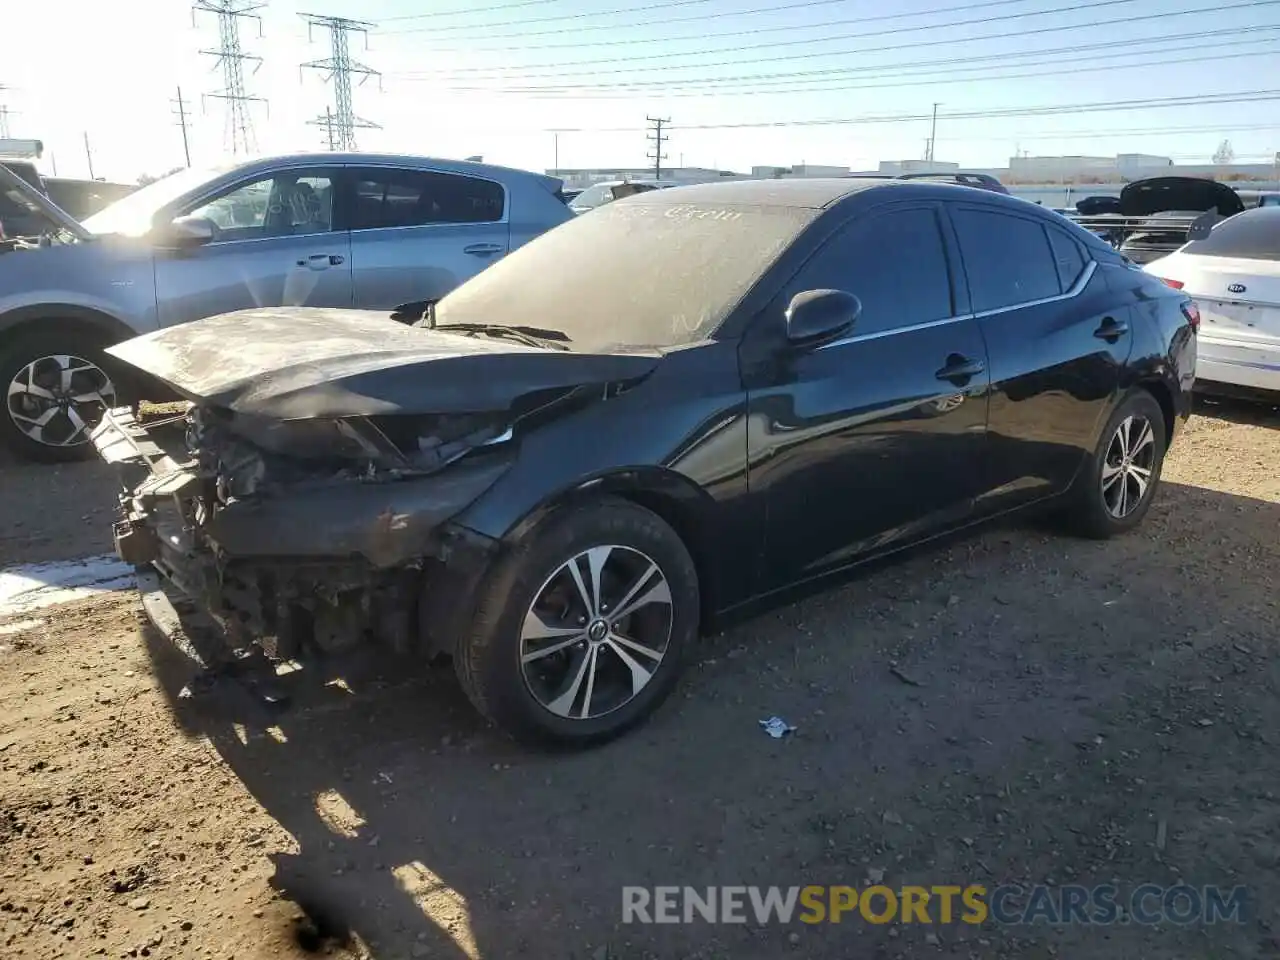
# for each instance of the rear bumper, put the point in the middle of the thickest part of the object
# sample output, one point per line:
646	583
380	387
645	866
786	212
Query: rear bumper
332	562
1252	364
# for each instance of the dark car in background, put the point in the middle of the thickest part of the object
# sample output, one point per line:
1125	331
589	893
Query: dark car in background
1154	217
748	387
83	198
18	217
982	181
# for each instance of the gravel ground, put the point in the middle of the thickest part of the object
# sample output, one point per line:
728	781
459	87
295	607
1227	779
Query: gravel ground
1017	707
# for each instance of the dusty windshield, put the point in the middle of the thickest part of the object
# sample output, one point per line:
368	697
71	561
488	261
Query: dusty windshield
132	215
637	273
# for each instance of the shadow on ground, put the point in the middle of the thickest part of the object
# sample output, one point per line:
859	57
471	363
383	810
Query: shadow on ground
1017	708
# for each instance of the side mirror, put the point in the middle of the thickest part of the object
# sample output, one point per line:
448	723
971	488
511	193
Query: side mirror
815	315
185	232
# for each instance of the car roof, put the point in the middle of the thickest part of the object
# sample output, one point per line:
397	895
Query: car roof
465	167
803	192
818	193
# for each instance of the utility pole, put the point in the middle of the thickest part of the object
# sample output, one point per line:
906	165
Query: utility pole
88	155
338	67
232	58
657	156
5	112
933	134
180	108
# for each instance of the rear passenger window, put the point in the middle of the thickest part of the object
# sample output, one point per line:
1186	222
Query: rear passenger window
894	262
1008	259
1068	257
414	198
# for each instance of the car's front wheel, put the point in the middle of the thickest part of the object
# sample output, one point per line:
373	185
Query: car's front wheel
580	630
1116	486
56	388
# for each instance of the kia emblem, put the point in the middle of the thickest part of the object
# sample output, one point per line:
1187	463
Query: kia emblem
1236	288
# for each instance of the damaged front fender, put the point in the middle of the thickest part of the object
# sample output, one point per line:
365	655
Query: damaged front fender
388	524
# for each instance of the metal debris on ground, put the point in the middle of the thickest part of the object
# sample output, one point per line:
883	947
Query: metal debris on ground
776	727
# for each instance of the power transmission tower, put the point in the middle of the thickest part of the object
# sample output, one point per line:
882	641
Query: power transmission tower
180	111
656	155
231	58
341	123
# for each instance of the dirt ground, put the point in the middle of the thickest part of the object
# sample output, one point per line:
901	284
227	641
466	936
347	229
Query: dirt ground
1016	707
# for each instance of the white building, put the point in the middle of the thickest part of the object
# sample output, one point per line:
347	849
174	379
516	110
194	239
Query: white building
798	170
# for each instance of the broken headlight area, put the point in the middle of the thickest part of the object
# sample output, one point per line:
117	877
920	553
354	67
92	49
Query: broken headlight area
248	456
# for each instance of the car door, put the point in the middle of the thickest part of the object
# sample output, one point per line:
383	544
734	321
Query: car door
877	438
1056	342
417	234
273	245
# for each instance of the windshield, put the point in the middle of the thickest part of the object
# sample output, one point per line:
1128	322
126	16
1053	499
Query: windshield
132	215
1254	235
639	273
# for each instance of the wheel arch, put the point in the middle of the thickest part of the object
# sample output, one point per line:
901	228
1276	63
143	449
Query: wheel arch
91	321
1161	393
680	502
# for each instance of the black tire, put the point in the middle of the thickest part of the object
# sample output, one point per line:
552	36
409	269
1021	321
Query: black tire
1092	513
52	339
488	657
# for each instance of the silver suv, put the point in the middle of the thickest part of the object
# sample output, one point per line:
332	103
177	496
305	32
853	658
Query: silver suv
333	230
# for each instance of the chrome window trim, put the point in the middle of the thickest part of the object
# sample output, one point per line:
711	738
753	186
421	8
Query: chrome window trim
1075	291
1077	288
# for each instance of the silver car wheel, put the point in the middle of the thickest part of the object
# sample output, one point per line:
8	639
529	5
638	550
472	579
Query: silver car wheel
56	400
1128	466
596	632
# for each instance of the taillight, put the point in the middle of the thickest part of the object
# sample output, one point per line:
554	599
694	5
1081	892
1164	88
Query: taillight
1192	313
1176	284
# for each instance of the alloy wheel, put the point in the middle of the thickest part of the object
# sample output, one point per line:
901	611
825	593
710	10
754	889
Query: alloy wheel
596	632
56	400
1128	467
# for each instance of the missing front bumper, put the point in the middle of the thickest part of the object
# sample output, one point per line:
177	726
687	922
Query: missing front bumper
328	564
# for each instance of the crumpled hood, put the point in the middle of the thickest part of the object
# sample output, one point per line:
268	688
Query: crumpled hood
298	362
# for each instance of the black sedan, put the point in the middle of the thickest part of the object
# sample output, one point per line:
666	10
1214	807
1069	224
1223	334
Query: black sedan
560	476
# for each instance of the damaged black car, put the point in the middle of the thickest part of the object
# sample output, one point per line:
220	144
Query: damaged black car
657	417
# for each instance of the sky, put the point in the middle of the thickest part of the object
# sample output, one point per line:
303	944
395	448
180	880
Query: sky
740	80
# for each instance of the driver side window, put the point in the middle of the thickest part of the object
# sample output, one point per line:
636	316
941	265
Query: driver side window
286	204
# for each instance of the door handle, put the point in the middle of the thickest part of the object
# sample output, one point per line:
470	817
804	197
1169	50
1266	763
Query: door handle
319	261
960	369
1111	329
482	249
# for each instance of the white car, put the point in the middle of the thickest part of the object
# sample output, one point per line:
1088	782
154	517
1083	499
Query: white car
1234	276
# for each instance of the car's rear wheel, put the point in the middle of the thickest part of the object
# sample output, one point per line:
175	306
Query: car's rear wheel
1115	489
56	387
580	630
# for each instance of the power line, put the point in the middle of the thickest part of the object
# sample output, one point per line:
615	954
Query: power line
232	58
881	49
464	10
180	111
531	3
656	137
754	31
1104	106
893	80
643	8
811	76
522	74
341	123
